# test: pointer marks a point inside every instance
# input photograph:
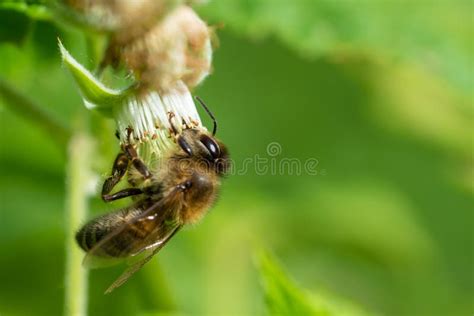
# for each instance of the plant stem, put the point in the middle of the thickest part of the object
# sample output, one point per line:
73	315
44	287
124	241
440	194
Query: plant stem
35	113
78	171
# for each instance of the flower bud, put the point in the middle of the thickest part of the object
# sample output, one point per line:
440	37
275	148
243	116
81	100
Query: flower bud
176	49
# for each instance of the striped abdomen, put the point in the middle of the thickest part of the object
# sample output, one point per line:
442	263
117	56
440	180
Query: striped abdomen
123	240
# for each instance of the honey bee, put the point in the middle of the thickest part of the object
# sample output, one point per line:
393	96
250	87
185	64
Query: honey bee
179	193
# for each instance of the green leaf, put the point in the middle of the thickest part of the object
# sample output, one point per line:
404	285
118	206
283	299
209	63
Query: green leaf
14	26
284	297
34	9
16	18
436	34
95	94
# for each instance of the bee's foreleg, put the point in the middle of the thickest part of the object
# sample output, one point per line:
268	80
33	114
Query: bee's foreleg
136	161
173	129
118	171
121	194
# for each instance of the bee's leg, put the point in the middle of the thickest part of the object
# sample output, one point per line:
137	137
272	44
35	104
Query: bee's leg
121	194
136	161
118	171
173	129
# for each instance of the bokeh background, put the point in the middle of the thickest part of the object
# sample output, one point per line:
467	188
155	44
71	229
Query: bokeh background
379	92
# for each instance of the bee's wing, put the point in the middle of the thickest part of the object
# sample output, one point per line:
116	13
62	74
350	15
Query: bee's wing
92	262
138	265
159	219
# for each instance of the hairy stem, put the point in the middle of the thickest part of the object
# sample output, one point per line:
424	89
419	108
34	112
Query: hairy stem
35	113
78	171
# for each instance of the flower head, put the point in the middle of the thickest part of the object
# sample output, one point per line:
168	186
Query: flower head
167	48
151	120
147	119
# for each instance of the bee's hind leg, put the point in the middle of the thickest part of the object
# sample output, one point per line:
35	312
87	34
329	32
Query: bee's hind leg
121	194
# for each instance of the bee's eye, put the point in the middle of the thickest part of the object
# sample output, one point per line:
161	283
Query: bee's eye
211	146
185	146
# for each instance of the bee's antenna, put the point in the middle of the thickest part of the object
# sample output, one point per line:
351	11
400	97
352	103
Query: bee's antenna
214	130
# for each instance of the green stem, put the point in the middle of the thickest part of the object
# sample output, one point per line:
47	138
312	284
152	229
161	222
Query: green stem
35	113
78	171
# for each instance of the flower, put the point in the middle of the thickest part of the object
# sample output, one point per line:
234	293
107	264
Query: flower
152	120
148	119
167	48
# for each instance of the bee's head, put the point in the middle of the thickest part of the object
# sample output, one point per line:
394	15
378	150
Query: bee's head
199	144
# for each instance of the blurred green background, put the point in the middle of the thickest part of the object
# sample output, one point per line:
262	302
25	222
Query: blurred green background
380	93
